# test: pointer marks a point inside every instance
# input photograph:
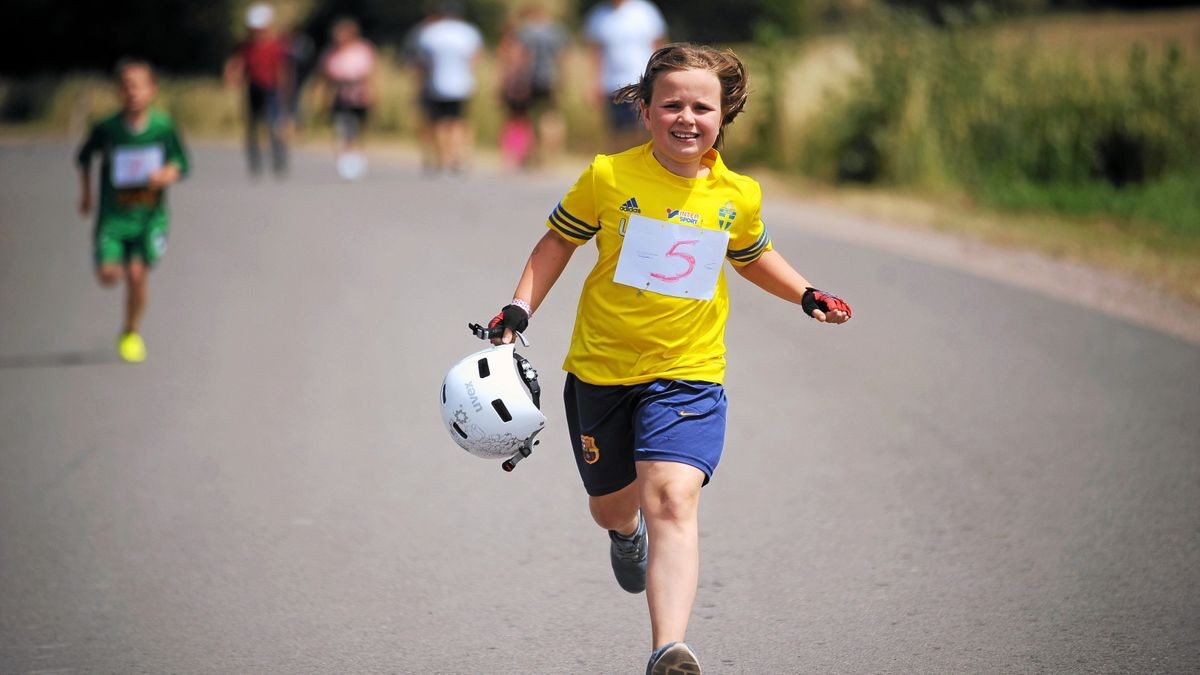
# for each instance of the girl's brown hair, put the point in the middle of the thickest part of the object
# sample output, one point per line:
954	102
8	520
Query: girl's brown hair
684	56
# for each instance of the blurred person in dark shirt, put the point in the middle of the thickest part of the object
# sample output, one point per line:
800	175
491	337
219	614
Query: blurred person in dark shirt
544	41
530	55
515	64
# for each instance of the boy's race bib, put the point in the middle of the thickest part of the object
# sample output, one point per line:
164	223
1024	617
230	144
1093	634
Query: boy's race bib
673	259
132	166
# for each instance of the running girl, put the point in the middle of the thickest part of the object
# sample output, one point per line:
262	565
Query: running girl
140	156
644	401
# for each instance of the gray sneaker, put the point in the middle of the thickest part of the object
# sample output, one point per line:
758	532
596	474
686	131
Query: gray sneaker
675	658
629	557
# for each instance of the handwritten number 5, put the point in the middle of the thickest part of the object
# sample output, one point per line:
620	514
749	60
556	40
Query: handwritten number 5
674	253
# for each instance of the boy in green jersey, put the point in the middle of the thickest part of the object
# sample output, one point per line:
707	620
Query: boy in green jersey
140	155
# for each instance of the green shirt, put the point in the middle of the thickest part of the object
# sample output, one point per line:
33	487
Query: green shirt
127	159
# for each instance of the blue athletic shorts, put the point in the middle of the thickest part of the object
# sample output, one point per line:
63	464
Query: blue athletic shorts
612	427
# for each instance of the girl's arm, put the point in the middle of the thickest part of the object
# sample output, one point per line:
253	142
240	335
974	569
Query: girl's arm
85	188
772	273
546	263
84	161
235	71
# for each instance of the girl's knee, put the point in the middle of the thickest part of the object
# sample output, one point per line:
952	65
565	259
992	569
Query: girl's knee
137	273
108	275
671	500
616	510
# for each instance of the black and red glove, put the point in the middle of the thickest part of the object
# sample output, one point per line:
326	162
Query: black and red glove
511	317
814	299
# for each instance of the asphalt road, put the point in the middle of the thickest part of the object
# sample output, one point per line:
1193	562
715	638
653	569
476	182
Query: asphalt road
968	477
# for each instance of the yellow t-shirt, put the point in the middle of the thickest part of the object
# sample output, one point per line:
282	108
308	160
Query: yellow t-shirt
627	335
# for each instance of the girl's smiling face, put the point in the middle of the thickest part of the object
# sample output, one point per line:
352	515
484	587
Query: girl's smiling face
684	119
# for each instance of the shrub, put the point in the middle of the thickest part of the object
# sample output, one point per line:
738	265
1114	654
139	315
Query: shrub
946	108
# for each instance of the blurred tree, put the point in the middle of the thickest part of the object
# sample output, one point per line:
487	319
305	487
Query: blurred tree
1125	5
721	21
945	11
182	36
54	36
954	11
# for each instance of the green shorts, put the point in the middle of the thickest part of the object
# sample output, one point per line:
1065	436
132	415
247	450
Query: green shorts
122	239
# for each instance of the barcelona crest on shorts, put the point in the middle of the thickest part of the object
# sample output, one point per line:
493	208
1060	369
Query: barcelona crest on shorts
591	453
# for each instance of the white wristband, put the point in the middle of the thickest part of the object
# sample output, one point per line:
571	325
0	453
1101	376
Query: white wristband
523	305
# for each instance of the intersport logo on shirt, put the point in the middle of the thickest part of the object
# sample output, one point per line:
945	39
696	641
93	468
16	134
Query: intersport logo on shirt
686	217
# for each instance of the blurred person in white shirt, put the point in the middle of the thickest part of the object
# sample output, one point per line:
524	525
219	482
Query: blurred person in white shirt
623	34
447	50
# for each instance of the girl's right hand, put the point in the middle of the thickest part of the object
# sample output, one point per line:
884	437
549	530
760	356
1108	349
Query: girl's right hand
512	318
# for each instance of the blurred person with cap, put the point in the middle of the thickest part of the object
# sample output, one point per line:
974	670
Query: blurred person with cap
446	51
261	63
349	70
623	35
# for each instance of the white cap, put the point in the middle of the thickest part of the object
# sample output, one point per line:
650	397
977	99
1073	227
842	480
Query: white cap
259	15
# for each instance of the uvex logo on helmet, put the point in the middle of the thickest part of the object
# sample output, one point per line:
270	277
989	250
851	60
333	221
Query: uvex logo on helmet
474	398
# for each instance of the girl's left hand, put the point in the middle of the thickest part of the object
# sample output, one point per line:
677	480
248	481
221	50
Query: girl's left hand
835	316
164	177
825	307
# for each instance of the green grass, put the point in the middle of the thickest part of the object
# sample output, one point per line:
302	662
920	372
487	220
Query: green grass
1171	204
1018	126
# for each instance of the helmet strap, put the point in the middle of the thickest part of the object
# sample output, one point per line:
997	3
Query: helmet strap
529	377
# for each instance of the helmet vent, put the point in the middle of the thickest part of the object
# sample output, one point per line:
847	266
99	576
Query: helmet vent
458	429
502	410
484	369
443	392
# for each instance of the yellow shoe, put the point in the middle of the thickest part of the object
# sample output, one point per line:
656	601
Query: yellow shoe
131	347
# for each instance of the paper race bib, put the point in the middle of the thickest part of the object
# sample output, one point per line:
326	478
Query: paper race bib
132	166
673	259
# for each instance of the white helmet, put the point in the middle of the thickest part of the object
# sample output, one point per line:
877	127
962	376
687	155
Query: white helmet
490	404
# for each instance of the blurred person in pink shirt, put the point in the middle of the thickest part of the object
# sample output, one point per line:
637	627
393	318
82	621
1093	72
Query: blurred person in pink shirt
349	71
